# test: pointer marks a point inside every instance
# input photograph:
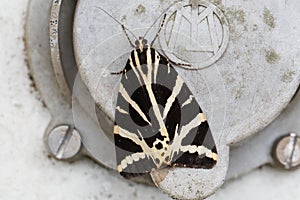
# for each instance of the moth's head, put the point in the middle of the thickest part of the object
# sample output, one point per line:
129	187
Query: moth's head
141	43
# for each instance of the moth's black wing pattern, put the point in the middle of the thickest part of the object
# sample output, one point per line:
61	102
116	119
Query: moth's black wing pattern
158	122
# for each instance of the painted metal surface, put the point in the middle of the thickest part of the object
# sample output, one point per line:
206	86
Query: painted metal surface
222	97
242	89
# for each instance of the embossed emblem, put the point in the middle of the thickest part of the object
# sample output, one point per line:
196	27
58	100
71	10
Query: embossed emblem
196	32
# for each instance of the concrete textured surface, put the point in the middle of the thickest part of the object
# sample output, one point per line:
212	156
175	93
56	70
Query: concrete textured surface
26	171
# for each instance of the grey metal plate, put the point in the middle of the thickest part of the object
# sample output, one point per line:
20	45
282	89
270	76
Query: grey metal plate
241	92
257	71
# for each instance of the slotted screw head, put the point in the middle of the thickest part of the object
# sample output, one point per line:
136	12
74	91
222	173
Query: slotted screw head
64	142
286	151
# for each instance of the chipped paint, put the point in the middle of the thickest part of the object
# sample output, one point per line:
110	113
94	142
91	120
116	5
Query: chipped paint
124	18
218	3
255	27
237	21
140	9
268	18
272	56
237	93
288	76
236	15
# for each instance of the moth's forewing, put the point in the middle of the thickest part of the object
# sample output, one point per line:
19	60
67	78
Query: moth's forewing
138	130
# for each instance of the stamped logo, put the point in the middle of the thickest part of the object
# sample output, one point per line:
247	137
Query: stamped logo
196	32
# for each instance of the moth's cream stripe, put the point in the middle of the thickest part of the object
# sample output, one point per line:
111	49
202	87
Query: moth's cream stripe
130	159
178	137
133	103
188	101
192	124
139	68
116	129
137	62
134	70
156	110
156	64
203	117
149	64
126	134
146	149
125	73
175	147
200	150
121	110
169	68
175	92
157	113
133	137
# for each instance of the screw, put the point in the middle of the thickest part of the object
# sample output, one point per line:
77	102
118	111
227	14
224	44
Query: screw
286	151
64	142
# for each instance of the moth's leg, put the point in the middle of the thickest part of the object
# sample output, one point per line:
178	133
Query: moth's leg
176	63
180	64
118	73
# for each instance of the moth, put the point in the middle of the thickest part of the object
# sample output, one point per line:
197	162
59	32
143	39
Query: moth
158	122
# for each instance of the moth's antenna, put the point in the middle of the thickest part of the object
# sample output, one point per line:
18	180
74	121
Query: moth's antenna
161	25
153	24
123	27
130	42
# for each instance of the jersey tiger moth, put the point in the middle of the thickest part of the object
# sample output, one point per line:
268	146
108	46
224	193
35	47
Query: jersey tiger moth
158	121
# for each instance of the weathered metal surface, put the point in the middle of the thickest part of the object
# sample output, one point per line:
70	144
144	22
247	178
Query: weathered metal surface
84	114
256	151
251	77
61	24
244	88
242	91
